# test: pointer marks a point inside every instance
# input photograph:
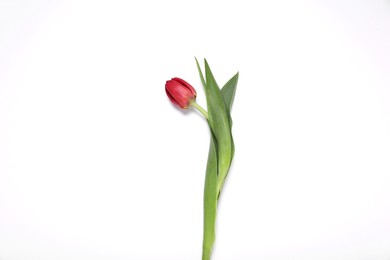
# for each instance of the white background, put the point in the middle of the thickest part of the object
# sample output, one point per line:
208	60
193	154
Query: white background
95	163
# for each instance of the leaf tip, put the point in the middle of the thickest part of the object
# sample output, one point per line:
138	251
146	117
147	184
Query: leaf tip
206	63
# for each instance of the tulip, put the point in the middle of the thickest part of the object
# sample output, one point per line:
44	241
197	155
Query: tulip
221	152
182	94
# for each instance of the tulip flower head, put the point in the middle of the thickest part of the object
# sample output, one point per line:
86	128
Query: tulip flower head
180	92
183	95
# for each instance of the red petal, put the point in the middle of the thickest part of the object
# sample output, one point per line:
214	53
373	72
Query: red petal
186	84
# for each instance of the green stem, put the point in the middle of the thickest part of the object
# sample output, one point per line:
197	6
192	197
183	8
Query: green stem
200	109
206	255
210	201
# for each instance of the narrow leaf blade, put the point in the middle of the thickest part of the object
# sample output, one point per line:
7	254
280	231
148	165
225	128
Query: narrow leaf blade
228	92
200	74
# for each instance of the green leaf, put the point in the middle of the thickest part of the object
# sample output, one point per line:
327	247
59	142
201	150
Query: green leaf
219	103
220	125
200	74
228	92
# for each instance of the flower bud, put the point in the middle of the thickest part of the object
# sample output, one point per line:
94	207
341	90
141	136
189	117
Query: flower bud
180	92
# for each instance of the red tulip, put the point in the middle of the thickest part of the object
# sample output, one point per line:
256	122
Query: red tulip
180	92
